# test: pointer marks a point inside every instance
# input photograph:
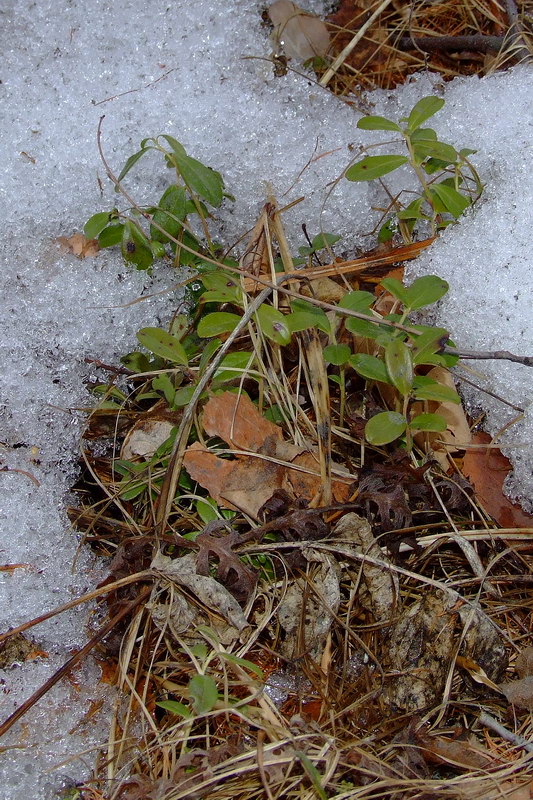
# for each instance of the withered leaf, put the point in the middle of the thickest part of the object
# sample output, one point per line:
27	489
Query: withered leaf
461	753
214	597
79	245
379	588
483	643
524	663
420	650
247	482
520	692
487	470
306	616
301	34
230	571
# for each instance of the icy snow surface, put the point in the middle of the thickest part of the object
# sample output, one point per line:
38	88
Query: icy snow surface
60	59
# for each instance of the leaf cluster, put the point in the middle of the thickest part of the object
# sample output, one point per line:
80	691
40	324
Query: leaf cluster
449	183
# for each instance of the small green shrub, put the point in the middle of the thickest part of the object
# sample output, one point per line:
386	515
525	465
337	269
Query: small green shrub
449	182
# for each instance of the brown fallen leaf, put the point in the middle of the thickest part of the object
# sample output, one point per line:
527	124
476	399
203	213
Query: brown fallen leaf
487	469
520	692
79	245
248	481
458	752
300	34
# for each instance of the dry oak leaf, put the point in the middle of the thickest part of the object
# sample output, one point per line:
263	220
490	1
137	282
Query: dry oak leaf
248	481
487	469
79	245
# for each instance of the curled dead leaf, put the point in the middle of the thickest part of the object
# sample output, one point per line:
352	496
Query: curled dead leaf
299	33
79	245
209	592
144	438
379	589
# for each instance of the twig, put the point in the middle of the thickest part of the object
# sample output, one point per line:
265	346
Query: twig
519	741
139	89
476	43
491	355
76	658
490	394
21	472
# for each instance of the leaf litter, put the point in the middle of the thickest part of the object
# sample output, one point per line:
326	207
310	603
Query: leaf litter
392	636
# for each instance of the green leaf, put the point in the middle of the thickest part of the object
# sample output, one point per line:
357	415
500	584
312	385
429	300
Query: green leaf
158	249
243	662
427	344
451	200
175	708
273	324
135	247
169	215
423	110
424	135
183	396
232	366
136	361
111	235
373	167
430	149
413	211
312	773
322	240
385	427
206	182
396	289
427	389
131	161
370	367
357	301
319	242
207	510
203	693
162	383
360	302
304	315
424	291
387	231
372	123
337	354
175	145
162	344
221	288
208	350
217	323
399	366
96	224
432	165
428	422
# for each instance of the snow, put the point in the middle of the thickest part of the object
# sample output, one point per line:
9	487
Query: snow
60	61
